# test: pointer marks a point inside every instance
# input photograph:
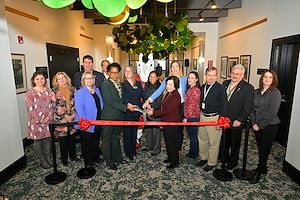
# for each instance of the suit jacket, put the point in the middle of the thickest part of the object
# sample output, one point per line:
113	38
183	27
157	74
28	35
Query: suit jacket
169	111
240	103
114	108
85	105
99	78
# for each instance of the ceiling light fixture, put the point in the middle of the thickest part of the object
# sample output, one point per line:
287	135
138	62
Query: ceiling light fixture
213	5
201	18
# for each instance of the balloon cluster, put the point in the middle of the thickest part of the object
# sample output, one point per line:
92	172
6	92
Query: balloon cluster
117	11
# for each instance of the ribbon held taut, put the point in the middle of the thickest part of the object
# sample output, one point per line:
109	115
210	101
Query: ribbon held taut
223	122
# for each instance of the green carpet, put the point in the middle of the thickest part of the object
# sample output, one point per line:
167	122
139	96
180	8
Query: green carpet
147	178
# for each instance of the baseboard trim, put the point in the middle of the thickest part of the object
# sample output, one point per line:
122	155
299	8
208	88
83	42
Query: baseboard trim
27	142
291	171
11	170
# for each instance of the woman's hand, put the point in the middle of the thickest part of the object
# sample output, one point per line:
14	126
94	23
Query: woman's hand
255	127
150	111
146	104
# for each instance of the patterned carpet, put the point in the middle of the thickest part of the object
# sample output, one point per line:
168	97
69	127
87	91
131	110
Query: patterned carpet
147	178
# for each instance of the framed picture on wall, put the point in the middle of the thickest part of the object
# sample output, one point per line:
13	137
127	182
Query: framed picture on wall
223	68
19	67
245	60
231	62
194	64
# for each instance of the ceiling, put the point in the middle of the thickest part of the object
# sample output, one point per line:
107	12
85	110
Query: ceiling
152	8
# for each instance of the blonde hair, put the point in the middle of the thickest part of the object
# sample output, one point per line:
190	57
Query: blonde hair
133	74
180	69
83	76
54	79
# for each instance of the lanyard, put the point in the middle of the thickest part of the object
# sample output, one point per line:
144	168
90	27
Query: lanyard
230	91
206	91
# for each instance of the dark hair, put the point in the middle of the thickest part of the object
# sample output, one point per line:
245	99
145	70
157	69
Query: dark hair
112	65
104	61
156	84
175	80
274	82
88	57
35	74
197	82
210	69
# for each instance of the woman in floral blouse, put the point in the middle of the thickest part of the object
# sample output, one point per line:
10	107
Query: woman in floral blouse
40	114
192	111
64	111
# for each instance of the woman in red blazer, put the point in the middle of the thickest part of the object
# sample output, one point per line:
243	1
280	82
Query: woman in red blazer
169	112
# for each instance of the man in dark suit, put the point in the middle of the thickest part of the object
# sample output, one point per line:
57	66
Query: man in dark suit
113	109
88	67
240	102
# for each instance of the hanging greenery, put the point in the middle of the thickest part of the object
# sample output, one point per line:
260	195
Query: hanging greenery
162	36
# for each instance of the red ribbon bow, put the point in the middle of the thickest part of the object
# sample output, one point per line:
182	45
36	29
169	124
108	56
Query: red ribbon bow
224	122
84	124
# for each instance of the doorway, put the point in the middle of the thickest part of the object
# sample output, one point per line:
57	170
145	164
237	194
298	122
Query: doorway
62	58
284	61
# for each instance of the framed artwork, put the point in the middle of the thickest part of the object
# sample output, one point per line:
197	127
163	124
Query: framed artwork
246	62
231	62
223	68
195	64
19	67
43	69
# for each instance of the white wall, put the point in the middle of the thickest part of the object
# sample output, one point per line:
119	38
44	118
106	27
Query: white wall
11	141
283	20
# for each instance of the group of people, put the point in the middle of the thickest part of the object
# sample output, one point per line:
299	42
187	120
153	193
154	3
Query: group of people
177	98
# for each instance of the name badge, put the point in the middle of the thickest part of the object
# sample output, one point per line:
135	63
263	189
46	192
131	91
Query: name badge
203	106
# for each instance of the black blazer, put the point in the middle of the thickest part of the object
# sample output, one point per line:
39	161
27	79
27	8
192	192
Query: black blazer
99	78
114	108
240	104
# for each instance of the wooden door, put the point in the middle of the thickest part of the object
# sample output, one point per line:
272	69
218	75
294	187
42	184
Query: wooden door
284	61
62	58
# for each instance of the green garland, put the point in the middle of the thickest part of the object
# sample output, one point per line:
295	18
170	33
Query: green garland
162	36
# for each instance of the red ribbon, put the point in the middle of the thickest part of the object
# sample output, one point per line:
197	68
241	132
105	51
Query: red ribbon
223	122
84	124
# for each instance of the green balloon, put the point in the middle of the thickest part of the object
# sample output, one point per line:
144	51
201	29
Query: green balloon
58	3
110	8
135	4
132	17
88	4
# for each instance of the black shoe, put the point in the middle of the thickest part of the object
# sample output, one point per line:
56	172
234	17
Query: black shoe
154	154
208	168
91	164
262	171
74	158
99	161
172	166
231	166
130	157
255	178
201	163
124	162
113	167
167	161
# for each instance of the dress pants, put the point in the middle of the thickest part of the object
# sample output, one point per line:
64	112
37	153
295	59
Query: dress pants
153	139
171	141
233	143
180	128
209	141
193	134
111	145
129	137
264	139
42	149
91	146
67	146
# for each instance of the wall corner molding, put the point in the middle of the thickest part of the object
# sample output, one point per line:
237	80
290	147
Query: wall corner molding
21	13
